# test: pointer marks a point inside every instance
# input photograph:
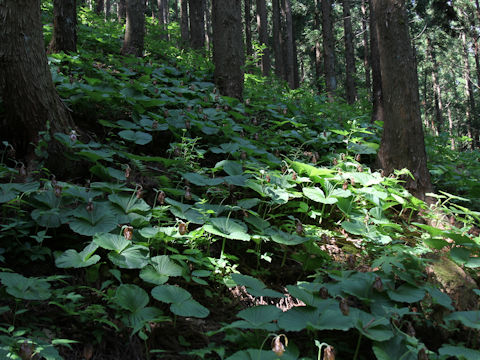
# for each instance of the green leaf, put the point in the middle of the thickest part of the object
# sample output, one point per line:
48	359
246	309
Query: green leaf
190	308
111	241
469	319
459	351
316	194
170	294
355	227
254	286
138	137
407	293
314	173
201	180
284	238
160	270
228	228
257	316
133	257
297	318
131	297
72	259
25	288
89	223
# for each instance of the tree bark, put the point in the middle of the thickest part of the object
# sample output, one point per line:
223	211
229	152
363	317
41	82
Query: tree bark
197	24
402	144
99	7
328	48
228	55
366	48
184	22
318	48
288	44
263	36
377	93
64	37
469	114
107	9
163	17
248	26
208	24
121	11
437	92
350	70
135	28
30	100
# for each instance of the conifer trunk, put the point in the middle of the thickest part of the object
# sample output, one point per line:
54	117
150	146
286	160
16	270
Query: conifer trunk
328	48
64	37
184	22
377	96
263	36
135	28
197	24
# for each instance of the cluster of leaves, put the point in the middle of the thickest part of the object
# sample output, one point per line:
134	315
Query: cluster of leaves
279	178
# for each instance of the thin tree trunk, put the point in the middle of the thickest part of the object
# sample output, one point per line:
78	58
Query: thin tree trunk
162	19
377	93
318	48
30	100
99	6
107	9
402	144
450	128
328	48
184	22
228	55
64	37
366	48
135	28
277	40
263	36
350	69
289	50
121	11
296	77
469	114
437	92
197	24
208	24
248	27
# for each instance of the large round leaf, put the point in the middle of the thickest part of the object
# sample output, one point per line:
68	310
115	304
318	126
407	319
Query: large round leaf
138	137
170	294
190	308
111	241
89	223
131	297
228	228
25	288
316	194
133	257
72	259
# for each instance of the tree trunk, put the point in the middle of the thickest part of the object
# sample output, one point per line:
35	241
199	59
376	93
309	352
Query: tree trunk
328	48
197	24
184	23
162	18
121	11
288	45
135	28
469	114
377	93
228	55
263	36
99	7
248	26
208	24
64	37
402	144
30	100
107	9
350	70
437	92
318	48
366	49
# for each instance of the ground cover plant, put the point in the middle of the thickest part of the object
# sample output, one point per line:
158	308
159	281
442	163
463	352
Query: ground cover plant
187	224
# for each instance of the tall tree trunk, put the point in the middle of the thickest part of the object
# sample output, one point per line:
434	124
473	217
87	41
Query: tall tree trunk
263	36
248	26
377	93
107	9
121	11
135	28
228	55
162	18
450	128
437	91
208	24
328	48
289	50
30	100
64	37
175	11
402	144
366	48
277	39
469	114
197	24
350	70
318	48
296	76
99	7
184	22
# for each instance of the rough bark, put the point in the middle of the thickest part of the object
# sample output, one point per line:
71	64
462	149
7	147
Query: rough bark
248	26
288	45
437	91
318	48
64	37
263	36
197	24
184	23
328	48
121	10
135	28
228	55
366	49
469	114
99	7
30	100
402	144
208	24
377	94
350	71
163	17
